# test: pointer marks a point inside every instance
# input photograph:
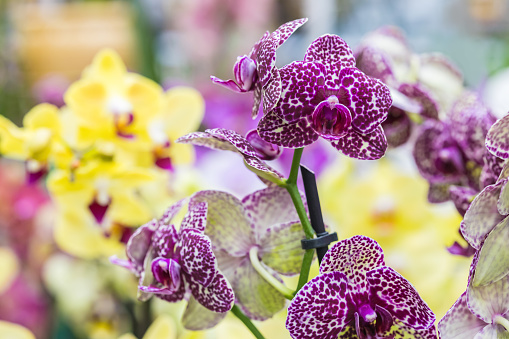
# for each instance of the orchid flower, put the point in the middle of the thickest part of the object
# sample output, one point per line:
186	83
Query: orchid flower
255	240
253	149
326	96
173	265
357	296
258	72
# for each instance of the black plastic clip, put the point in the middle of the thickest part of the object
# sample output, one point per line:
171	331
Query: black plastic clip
323	238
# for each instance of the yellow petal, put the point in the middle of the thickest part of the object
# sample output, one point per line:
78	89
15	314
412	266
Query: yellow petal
127	336
43	116
107	64
12	140
162	327
14	331
183	111
128	209
10	268
145	95
87	98
181	153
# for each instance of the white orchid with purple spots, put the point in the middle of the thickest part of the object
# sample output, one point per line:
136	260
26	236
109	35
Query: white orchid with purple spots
175	265
357	296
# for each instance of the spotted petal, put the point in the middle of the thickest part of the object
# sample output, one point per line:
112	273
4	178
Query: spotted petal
272	91
367	98
264	172
488	301
334	54
227	223
362	146
217	297
459	322
497	140
164	240
462	196
207	140
196	317
374	63
482	216
196	217
320	308
196	257
257	298
354	257
493	261
394	293
139	245
401	331
239	142
429	106
277	130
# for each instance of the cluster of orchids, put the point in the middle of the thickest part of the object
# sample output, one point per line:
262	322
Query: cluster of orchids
104	153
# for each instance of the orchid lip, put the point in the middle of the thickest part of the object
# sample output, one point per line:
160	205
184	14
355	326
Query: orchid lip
264	149
331	119
367	313
449	160
167	272
245	72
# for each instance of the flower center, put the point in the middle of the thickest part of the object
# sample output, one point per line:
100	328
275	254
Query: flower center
371	323
167	272
245	72
449	161
264	149
331	119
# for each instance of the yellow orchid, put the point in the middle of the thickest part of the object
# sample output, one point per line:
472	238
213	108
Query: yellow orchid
34	141
10	268
163	327
14	331
391	207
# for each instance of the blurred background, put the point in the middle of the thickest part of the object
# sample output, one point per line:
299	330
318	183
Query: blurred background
44	47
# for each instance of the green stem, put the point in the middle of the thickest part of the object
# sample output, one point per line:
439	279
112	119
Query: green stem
501	321
304	271
293	190
238	313
294	171
255	261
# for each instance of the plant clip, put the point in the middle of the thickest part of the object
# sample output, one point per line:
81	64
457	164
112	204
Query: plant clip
323	238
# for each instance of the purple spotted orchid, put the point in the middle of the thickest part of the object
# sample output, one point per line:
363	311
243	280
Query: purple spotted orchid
452	152
357	296
255	240
257	71
326	96
175	265
252	148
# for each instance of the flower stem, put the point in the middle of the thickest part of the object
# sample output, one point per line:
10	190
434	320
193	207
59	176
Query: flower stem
498	319
294	171
285	291
238	313
304	271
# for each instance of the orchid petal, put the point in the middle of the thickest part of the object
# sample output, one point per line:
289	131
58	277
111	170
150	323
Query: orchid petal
286	30
492	332
362	146
277	130
397	127
497	140
354	257
401	331
238	141
462	196
281	249
417	92
394	293
320	308
195	218
438	192
164	240
207	140
218	296
257	99
227	223
493	261
503	199
489	300
139	245
272	91
183	111
482	216
229	84
374	63
197	318
459	322
367	98
196	257
263	171
172	211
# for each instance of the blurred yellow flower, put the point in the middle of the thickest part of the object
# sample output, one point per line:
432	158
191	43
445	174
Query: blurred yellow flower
14	331
10	268
162	328
390	206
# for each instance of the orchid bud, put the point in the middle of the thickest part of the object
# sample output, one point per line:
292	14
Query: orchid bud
245	72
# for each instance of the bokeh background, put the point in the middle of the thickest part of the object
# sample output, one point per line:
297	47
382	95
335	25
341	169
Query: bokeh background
44	47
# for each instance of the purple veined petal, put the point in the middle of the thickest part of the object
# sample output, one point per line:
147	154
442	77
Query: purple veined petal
424	148
123	263
169	295
281	249
139	245
462	196
375	63
256	46
503	199
429	106
497	140
493	167
164	240
458	249
238	141
207	140
334	54
264	172
228	264
195	218
321	309
493	260
272	91
286	30
198	318
470	122
492	331
172	211
228	226
394	293
258	299
268	207
217	297
482	216
403	102
370	146
229	84
487	301
265	150
277	130
196	257
367	98
438	193
354	257
397	127
166	272
257	99
300	83
459	322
